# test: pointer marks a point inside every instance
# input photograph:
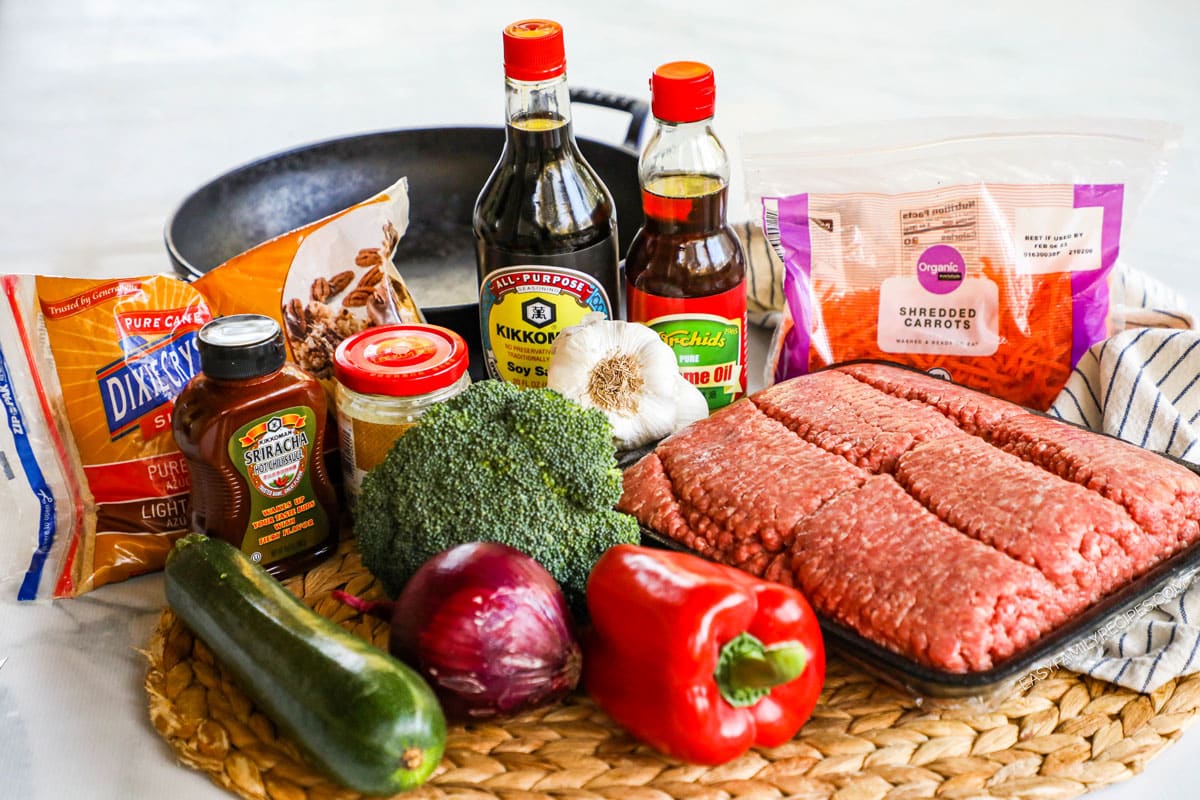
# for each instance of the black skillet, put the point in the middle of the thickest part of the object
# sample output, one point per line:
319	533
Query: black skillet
446	168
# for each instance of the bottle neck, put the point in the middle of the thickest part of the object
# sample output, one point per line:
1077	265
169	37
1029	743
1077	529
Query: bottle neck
700	127
538	107
684	173
680	149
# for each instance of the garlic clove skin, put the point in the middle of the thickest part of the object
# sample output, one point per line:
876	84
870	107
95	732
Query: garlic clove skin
625	370
690	405
572	356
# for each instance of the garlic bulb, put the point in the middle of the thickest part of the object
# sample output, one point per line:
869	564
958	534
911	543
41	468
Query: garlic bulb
625	370
690	404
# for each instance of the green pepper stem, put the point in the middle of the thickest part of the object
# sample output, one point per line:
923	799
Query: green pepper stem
774	666
747	669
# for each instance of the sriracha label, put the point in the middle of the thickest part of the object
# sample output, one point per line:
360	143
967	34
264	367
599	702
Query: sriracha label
707	335
274	454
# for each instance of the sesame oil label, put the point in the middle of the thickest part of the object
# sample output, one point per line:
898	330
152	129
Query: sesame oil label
707	335
274	455
522	310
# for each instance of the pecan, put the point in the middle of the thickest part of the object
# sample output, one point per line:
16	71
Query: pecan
357	298
321	290
370	279
369	257
390	237
378	306
294	317
338	283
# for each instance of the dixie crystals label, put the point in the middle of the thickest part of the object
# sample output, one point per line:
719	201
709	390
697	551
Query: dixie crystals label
274	454
521	311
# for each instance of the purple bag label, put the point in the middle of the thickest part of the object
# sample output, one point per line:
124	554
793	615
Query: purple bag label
941	269
785	221
1090	288
955	256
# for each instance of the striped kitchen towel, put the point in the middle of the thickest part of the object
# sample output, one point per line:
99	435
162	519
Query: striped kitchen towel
1143	385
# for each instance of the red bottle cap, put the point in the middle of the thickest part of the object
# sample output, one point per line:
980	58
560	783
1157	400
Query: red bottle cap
683	91
533	50
400	360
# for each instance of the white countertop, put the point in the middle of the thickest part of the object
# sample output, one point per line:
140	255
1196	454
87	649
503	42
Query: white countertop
111	112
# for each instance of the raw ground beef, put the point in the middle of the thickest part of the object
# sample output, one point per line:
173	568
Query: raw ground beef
851	419
975	413
744	517
1161	496
857	559
944	524
1084	544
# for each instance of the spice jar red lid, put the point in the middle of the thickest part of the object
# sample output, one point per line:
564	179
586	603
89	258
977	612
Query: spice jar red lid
533	50
400	360
683	91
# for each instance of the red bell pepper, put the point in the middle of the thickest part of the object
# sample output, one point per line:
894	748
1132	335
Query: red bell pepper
697	659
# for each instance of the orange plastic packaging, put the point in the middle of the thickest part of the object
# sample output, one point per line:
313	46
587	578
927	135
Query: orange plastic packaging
122	350
978	251
323	282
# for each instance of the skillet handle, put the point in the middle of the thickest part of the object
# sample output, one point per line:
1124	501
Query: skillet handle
637	109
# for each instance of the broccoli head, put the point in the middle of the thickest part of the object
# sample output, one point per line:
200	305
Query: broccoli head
525	467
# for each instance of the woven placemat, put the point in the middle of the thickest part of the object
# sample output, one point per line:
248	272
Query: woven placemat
1060	738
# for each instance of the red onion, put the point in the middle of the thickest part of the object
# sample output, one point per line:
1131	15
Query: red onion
487	626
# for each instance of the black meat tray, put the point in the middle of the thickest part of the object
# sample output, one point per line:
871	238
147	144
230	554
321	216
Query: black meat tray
1035	662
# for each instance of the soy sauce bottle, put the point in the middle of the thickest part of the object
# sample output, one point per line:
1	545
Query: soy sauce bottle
545	226
686	269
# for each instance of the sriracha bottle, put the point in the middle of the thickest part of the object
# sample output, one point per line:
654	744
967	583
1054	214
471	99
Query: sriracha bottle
685	271
252	428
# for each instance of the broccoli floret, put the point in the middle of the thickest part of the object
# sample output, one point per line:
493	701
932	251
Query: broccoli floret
528	468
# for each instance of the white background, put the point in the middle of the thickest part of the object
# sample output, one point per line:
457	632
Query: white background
112	110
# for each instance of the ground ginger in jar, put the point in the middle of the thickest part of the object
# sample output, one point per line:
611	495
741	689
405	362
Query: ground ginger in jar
387	377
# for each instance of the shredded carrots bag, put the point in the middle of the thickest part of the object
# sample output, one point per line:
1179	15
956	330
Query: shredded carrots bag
983	259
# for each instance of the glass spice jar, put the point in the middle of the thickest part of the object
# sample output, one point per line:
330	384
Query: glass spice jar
387	377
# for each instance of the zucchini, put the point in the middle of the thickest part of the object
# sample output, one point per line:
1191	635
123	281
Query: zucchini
361	716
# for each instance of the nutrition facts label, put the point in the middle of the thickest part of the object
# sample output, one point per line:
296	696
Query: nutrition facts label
951	221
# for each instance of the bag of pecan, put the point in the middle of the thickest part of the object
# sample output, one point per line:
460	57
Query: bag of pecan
323	282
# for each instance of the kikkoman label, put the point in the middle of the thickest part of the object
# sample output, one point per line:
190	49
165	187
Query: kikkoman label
274	454
707	335
522	310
